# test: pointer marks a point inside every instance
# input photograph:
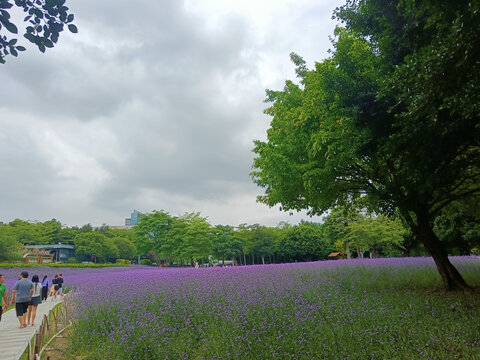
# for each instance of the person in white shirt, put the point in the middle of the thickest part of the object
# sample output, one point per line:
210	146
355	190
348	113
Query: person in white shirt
36	299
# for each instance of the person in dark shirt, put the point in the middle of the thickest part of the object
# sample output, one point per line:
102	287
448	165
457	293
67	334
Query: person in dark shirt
60	285
45	288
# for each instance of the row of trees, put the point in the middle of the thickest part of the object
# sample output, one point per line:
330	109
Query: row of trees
189	238
164	238
103	244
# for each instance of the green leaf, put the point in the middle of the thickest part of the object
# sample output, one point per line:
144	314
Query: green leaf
41	47
72	28
21	48
48	43
5	5
13	52
53	12
70	18
11	27
38	13
5	14
30	37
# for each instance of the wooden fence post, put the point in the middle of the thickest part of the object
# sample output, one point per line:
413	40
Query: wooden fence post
38	343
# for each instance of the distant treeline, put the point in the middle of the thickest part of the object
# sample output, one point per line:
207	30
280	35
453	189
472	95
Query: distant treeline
165	239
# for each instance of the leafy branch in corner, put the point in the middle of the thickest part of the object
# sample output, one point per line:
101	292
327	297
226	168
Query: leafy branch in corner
46	20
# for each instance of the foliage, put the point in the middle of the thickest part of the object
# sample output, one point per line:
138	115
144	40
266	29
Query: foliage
306	242
46	20
26	232
337	227
123	261
194	236
263	240
146	262
225	244
379	235
151	234
95	245
459	226
9	246
126	248
389	120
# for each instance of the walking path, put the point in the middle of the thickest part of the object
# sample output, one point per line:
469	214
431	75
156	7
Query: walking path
14	341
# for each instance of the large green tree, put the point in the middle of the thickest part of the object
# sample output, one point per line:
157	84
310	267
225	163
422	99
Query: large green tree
153	233
9	246
126	248
95	245
305	242
226	245
380	236
45	20
337	227
195	237
27	232
392	118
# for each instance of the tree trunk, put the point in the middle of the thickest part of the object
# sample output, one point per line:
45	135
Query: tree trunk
263	260
348	250
253	259
244	259
452	280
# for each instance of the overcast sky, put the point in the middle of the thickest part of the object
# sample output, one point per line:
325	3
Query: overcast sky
152	105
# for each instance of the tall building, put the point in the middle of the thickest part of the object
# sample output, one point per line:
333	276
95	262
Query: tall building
133	219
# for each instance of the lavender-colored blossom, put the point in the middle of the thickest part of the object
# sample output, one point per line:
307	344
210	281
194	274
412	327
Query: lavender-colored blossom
356	309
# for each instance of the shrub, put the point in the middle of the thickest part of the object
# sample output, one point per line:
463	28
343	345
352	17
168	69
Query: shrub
145	262
123	261
72	260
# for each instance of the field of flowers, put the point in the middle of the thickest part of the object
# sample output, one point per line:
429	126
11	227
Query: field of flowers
347	309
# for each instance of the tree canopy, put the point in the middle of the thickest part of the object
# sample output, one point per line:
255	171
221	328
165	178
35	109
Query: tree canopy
391	119
45	20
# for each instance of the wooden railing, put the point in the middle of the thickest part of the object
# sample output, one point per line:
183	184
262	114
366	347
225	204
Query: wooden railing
55	321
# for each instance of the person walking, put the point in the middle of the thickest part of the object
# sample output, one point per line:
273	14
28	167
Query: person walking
21	294
54	288
60	285
45	285
3	295
36	299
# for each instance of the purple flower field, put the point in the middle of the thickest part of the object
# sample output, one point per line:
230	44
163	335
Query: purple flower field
347	309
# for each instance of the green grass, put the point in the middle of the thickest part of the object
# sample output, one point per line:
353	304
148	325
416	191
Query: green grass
359	310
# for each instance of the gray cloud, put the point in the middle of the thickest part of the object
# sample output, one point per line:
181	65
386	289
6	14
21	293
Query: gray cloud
148	107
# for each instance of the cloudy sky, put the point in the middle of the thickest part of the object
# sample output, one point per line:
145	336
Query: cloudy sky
152	105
